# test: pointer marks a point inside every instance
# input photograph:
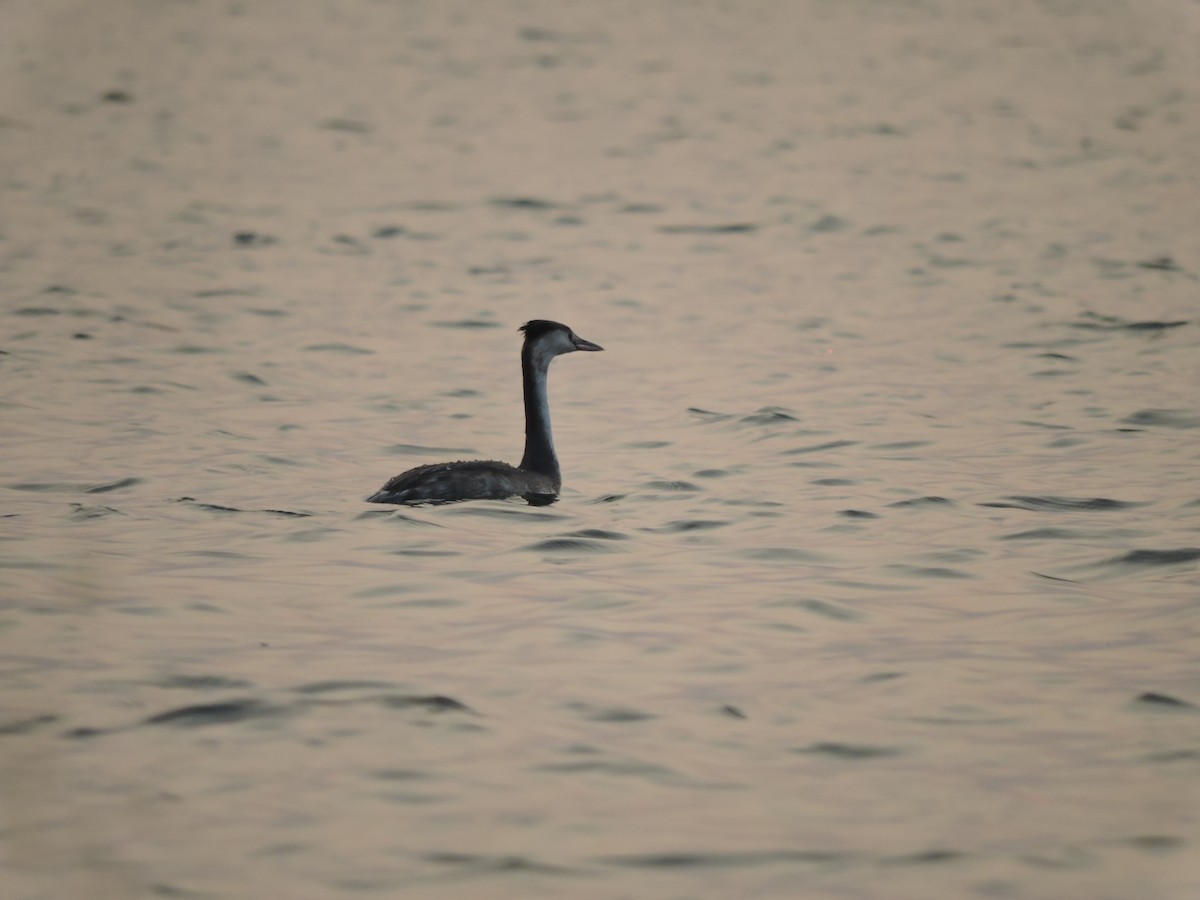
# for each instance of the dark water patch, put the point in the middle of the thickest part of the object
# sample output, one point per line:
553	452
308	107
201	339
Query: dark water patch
222	713
711	473
81	513
780	554
248	378
1170	756
1174	557
732	711
820	607
707	415
1092	321
349	126
253	239
504	510
57	487
901	445
1061	857
395	590
24	726
307	535
1158	700
599	534
930	502
875	677
623	768
672	486
769	415
118	485
202	682
941	261
955	555
783	626
1156	843
1062	504
828	223
483	864
834	482
537	34
363	883
193	350
840	750
1165	418
431	206
641	208
1050	373
466	324
216	554
647	445
940	572
569	545
142	610
858	514
393	514
85	732
384	232
1050	344
935	856
820	448
334	685
1112	268
594	713
610	498
962	714
680	526
340	349
438	703
723	860
531	203
1045	534
816	323
232	292
217	507
1159	263
723	228
346	245
400	775
1054	578
423	450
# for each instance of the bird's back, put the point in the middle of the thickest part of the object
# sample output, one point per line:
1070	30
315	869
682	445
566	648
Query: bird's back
468	480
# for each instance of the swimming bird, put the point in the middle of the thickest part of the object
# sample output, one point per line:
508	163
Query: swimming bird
538	477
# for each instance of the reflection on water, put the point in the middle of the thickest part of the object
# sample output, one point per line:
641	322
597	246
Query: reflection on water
875	567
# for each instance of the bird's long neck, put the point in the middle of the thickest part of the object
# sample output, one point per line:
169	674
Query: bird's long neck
539	442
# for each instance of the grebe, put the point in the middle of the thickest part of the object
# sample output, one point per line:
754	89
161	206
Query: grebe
538	477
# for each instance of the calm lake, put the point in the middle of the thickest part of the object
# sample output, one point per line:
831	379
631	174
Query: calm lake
876	569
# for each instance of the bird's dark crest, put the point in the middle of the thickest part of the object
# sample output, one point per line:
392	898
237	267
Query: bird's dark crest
537	327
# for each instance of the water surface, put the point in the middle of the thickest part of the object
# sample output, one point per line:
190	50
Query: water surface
875	572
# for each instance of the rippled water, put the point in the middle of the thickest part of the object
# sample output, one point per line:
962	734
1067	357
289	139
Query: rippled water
876	569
